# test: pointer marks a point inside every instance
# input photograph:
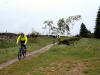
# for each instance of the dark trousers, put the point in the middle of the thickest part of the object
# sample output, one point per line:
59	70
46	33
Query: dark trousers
23	46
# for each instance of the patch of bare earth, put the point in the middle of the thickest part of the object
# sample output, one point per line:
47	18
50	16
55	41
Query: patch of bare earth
77	70
63	68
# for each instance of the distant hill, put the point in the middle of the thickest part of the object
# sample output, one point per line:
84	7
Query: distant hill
8	35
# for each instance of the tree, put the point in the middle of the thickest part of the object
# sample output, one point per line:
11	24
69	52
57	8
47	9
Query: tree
63	25
54	30
97	27
84	31
34	34
48	24
71	19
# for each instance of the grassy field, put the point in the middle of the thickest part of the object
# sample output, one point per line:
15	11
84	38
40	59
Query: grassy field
83	56
9	50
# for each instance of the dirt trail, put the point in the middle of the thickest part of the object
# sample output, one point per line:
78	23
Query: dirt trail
44	49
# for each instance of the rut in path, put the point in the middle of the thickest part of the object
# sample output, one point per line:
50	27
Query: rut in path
44	49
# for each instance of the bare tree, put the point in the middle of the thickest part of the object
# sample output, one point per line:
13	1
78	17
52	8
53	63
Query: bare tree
48	24
63	25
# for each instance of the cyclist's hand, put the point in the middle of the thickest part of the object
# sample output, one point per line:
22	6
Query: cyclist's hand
24	44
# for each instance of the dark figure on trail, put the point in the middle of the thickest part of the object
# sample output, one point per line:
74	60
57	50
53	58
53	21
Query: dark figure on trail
54	38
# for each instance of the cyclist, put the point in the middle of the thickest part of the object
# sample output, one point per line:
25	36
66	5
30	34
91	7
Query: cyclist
23	41
58	37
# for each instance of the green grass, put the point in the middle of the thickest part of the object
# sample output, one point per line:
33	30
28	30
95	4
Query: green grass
4	43
11	52
60	58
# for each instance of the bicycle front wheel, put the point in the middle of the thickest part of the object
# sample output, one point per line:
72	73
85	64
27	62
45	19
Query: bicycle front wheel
19	56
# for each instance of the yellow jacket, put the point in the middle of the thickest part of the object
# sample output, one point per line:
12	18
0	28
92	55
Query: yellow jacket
22	39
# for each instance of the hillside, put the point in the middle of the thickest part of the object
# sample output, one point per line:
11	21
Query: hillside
80	58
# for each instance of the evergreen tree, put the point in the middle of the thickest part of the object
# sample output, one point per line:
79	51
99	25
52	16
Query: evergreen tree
97	27
83	30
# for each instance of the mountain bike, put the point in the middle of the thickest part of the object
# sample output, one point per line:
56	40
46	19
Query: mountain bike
21	52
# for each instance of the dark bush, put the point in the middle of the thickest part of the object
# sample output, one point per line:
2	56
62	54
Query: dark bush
68	41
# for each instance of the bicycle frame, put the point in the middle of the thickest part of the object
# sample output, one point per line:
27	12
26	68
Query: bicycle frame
21	52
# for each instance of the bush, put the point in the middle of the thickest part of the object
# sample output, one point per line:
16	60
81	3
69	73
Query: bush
68	41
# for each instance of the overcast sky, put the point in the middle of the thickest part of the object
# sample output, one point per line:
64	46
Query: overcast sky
23	15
